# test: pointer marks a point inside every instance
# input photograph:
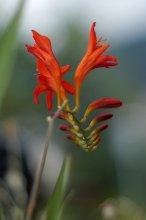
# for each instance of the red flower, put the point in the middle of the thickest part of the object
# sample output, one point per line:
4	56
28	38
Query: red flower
92	59
50	72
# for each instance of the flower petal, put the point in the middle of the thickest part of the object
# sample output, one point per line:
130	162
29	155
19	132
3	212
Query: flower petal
42	41
64	69
92	39
46	81
68	87
37	52
37	91
106	61
98	51
107	64
45	76
49	100
42	68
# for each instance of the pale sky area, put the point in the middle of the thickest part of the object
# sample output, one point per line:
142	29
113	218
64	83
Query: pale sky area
116	19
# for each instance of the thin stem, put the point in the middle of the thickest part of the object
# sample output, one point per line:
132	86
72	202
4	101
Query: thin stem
39	172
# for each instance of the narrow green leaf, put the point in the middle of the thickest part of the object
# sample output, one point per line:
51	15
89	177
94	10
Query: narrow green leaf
54	208
1	213
8	48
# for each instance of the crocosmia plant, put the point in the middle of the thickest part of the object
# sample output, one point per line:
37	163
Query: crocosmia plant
50	80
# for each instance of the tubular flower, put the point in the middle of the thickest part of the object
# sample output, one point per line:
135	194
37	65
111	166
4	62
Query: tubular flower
92	59
50	73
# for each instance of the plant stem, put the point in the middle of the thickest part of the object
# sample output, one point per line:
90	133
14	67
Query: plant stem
34	193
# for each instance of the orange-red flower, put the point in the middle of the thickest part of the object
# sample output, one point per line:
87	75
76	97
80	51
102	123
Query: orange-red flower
92	59
50	73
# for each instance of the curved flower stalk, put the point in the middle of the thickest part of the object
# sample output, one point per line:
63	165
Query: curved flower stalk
49	79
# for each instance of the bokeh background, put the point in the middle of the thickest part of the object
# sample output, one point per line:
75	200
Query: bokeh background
118	168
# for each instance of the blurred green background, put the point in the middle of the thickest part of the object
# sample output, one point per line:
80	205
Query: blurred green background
118	167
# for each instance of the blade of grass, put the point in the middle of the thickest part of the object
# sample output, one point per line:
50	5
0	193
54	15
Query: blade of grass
1	213
8	48
54	208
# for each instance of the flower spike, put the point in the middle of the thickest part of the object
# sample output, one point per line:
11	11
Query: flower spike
50	81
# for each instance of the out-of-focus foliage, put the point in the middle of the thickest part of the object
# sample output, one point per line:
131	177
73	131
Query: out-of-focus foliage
56	201
121	209
8	43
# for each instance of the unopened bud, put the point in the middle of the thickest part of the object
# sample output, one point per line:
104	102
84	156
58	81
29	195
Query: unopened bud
64	127
69	136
